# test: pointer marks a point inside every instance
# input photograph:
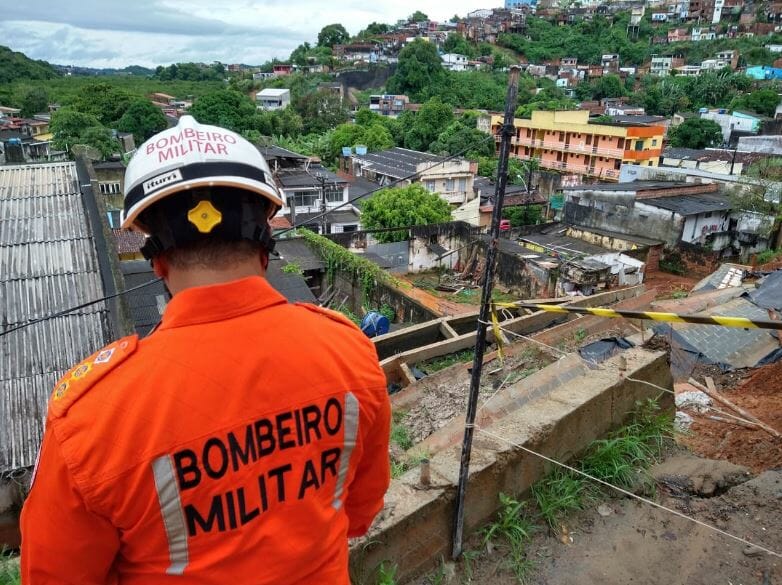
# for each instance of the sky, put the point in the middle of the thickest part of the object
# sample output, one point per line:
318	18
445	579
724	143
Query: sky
112	33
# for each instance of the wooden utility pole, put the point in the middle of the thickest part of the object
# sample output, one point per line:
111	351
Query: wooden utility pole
507	131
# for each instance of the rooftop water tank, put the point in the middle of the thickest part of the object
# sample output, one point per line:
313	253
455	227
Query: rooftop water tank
347	151
361	149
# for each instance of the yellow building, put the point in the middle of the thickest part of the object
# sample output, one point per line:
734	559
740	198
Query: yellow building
566	141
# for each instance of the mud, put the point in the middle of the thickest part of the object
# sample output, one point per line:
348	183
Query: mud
760	393
623	541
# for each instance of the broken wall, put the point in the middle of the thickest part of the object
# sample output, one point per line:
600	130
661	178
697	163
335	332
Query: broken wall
624	219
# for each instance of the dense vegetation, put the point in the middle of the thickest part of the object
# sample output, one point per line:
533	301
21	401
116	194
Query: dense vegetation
589	40
15	66
402	207
318	123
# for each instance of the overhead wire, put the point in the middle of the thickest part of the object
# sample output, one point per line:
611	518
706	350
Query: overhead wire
629	493
411	176
62	312
603	482
490	137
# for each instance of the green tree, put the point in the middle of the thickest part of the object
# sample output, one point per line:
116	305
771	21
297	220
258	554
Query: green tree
375	136
100	138
67	126
461	137
607	86
418	16
402	207
456	43
225	108
419	68
35	101
17	66
695	133
523	215
321	111
333	34
518	170
104	101
143	120
428	124
374	29
761	101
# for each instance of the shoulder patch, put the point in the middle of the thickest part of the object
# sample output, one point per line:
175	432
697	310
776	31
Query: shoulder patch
333	315
85	374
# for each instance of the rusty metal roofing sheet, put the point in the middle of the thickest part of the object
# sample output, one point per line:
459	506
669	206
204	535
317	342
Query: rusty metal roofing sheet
48	262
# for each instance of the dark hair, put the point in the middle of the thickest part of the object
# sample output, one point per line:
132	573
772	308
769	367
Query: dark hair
215	253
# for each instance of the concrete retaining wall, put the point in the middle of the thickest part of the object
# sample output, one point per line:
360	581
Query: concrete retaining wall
414	529
524	325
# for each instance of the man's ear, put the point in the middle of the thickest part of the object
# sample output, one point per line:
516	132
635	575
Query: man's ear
160	266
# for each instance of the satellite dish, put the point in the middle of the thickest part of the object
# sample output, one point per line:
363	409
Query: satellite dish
86	151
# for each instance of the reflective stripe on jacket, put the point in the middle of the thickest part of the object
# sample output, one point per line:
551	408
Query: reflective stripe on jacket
241	443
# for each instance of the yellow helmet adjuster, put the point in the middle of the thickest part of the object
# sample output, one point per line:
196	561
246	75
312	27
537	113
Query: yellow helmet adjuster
204	216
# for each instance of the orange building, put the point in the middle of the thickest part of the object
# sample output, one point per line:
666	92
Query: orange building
566	141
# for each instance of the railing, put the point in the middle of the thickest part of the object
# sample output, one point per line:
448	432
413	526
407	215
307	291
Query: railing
575	169
576	148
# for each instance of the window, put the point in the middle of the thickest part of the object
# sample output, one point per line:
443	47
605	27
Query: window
305	198
334	194
654	142
430	186
639	145
462	185
110	188
449	185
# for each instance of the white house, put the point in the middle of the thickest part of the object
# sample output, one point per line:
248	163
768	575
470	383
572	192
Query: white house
455	61
273	99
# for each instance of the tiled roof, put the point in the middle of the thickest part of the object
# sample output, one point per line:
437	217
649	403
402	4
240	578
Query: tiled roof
128	242
48	261
279	222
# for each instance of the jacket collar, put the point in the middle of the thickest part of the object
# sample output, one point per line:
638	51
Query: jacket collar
205	304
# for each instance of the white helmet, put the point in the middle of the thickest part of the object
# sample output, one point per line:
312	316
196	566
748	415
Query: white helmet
191	156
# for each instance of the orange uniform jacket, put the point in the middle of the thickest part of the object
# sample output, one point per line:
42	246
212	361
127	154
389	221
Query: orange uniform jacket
241	443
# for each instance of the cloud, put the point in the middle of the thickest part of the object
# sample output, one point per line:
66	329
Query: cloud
112	33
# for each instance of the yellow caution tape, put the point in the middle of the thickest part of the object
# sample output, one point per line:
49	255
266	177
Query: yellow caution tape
721	320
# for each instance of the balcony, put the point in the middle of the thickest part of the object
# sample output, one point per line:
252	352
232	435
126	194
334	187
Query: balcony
592	149
576	169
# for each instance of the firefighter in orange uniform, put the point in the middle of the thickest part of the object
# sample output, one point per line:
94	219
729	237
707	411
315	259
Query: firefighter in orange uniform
244	440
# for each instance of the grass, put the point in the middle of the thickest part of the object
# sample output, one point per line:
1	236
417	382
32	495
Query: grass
440	363
558	494
437	577
620	460
399	432
472	296
399	468
386	574
9	570
513	529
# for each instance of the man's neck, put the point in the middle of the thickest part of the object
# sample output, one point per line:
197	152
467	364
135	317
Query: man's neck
179	280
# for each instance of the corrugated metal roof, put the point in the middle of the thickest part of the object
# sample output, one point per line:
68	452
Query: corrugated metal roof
48	262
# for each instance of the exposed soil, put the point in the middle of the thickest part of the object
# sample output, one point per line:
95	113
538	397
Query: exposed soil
668	284
441	306
622	541
760	393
